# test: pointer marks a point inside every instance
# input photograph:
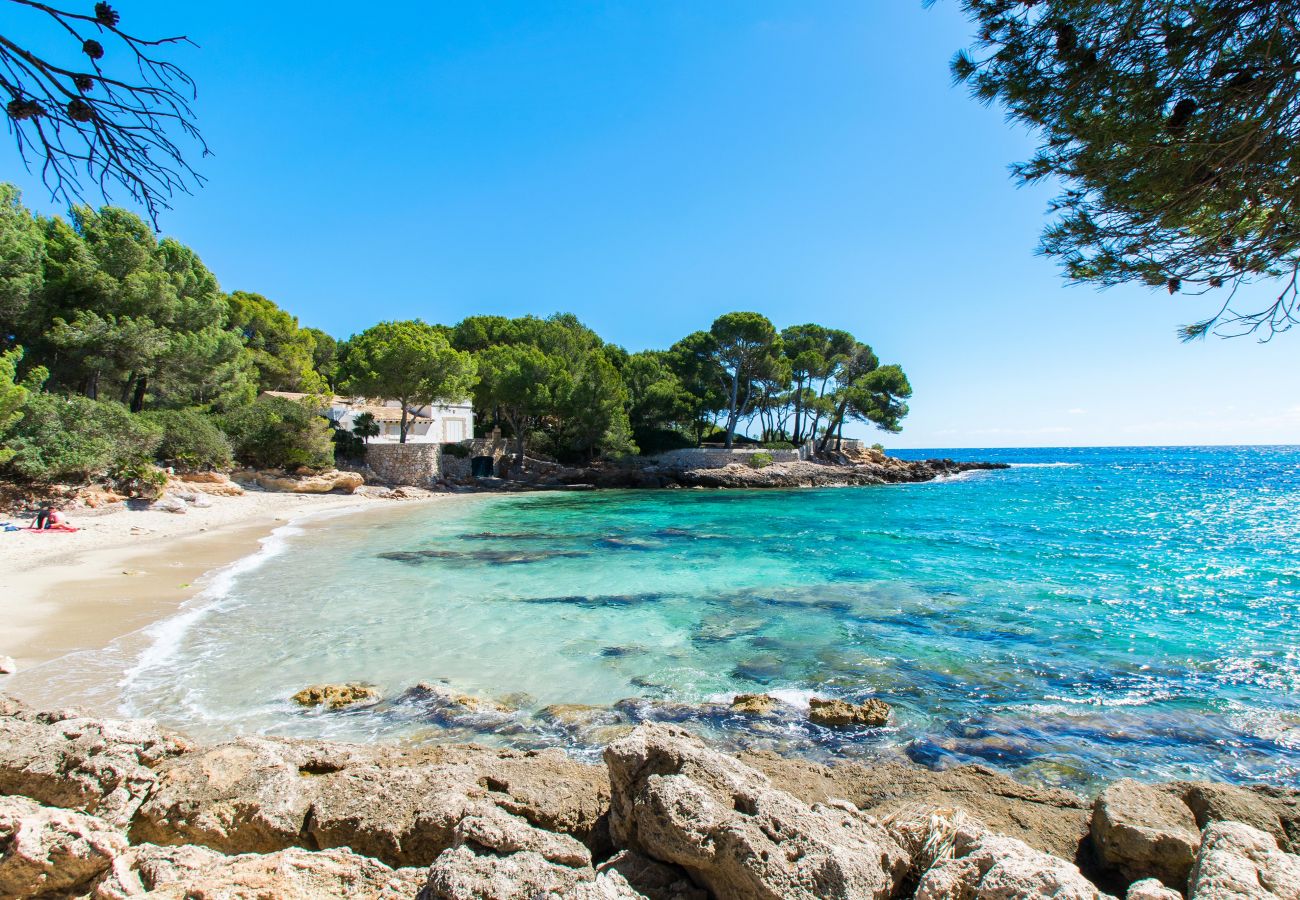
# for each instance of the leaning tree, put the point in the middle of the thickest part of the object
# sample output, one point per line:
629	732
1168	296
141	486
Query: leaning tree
107	109
1173	128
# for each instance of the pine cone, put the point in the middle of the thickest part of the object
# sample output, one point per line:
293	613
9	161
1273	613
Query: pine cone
80	111
84	83
1216	281
106	15
1174	284
24	109
93	49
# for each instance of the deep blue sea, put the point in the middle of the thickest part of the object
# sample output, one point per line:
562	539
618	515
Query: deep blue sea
1084	615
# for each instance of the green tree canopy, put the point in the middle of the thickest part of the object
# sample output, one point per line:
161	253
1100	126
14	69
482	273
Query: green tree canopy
745	347
284	354
1172	127
410	362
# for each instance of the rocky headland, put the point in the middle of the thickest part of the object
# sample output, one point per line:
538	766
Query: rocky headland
98	808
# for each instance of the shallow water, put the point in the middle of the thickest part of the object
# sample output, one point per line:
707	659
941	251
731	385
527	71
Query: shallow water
1085	615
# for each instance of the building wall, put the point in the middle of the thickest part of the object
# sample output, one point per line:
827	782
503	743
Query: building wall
718	457
415	464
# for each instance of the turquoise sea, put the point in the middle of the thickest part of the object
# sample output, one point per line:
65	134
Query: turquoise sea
1084	615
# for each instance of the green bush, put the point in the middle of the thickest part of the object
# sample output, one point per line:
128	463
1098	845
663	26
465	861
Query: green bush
77	439
778	445
348	445
275	433
458	451
761	460
191	441
879	448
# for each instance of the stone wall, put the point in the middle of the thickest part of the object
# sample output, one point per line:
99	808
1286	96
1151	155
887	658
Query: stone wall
414	464
718	457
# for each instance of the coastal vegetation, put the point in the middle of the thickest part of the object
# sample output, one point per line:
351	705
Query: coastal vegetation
1171	127
121	351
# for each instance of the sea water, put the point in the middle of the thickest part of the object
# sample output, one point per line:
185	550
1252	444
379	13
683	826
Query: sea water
1084	615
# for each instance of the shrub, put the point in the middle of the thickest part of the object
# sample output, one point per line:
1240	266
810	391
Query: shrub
458	451
63	438
879	448
348	445
272	432
661	440
191	441
778	445
761	460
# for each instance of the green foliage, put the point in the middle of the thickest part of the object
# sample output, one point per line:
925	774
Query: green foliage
13	396
778	445
283	354
1171	127
191	440
273	432
72	438
760	460
22	255
879	448
365	427
458	451
411	362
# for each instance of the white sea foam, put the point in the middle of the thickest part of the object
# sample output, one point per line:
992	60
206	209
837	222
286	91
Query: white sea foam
1050	465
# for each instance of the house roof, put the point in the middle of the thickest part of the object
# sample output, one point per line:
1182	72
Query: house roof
356	406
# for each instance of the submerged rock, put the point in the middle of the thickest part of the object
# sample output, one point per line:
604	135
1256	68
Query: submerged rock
1145	831
871	713
676	800
336	696
1237	862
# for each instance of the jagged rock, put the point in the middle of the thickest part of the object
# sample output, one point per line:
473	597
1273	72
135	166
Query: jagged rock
442	697
1237	862
46	851
1151	889
319	483
1269	808
336	696
987	866
674	799
648	878
1143	831
149	872
754	704
399	806
873	713
64	758
1048	819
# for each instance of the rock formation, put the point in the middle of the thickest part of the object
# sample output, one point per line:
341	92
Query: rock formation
336	696
872	713
96	808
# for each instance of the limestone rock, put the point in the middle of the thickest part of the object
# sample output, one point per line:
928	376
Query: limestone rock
399	806
647	878
64	758
319	483
676	800
1144	831
1047	819
336	696
754	704
1275	810
52	852
1238	862
873	713
987	866
149	872
1151	889
215	484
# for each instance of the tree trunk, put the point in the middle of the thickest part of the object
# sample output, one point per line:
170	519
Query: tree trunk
732	415
402	438
798	411
137	401
835	421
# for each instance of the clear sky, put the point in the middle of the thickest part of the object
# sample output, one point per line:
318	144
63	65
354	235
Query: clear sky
648	165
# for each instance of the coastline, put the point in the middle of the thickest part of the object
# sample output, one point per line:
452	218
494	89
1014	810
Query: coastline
126	569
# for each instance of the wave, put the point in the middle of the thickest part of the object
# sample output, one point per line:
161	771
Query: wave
1050	465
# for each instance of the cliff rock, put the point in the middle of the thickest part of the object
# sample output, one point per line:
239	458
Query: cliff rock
50	852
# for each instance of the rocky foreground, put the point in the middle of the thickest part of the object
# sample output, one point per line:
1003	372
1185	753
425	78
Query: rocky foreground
124	809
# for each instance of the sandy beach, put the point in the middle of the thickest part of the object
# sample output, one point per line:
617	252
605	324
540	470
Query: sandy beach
124	569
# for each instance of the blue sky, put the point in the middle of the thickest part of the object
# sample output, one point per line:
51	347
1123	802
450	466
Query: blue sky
649	165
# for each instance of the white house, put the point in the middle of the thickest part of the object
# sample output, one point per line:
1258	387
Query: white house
440	424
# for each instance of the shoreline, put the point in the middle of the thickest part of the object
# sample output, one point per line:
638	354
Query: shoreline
127	570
